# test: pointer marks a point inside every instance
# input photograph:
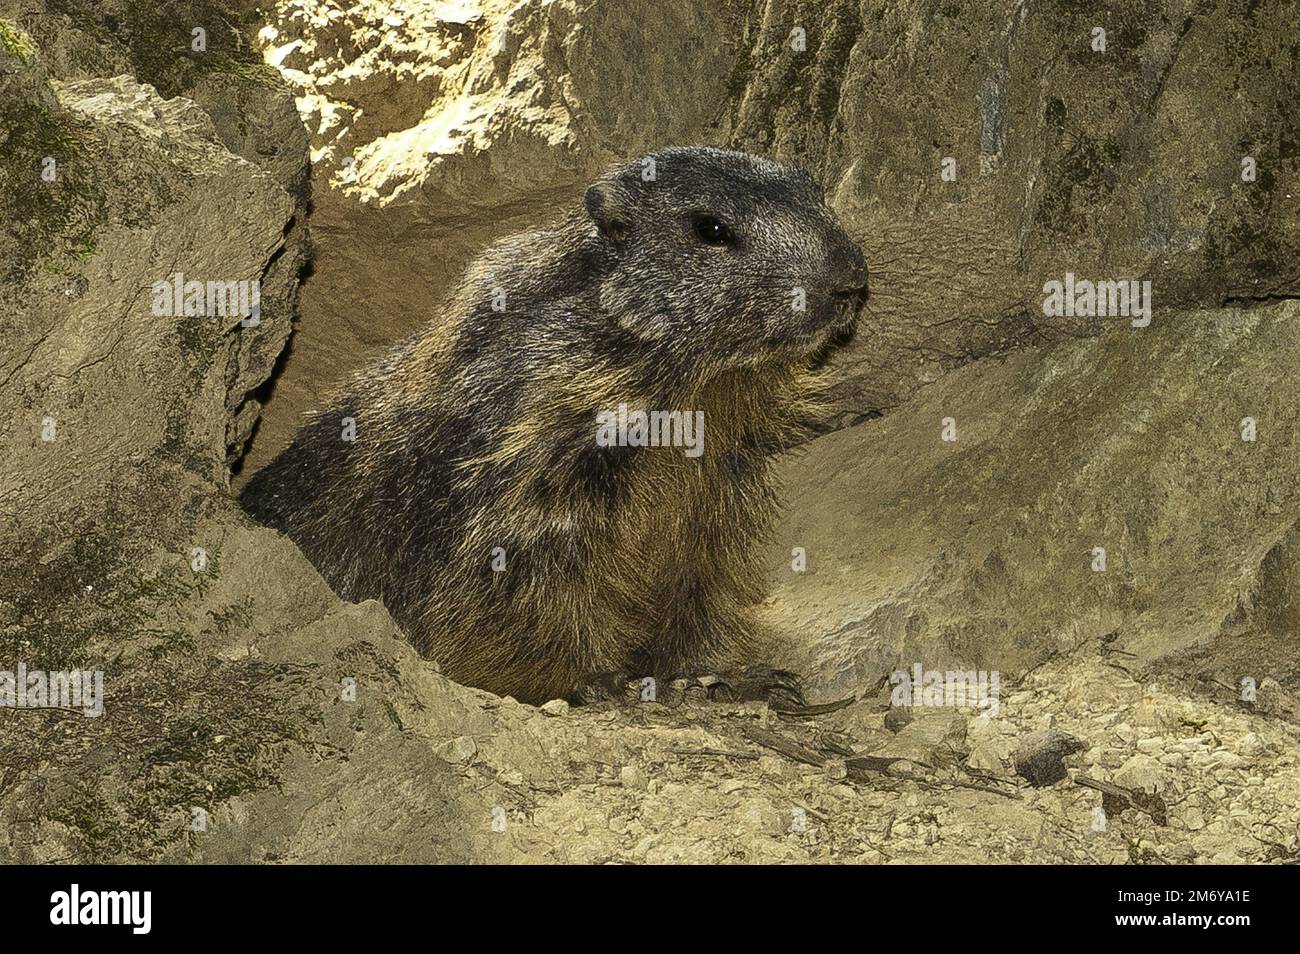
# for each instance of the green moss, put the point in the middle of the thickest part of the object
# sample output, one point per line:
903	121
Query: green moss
1078	180
159	39
80	607
175	738
179	445
16	41
54	220
179	731
233	618
259	72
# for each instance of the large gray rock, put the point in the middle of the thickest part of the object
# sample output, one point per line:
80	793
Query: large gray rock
982	550
248	105
96	381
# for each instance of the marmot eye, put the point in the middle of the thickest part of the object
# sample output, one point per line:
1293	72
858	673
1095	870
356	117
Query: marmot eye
712	231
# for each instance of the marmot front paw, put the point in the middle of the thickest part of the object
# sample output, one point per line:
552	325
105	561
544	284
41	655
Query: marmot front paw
779	688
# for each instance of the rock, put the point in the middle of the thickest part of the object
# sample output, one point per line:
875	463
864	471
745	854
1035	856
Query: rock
897	717
988	757
122	550
1142	773
556	707
1153	713
930	584
1040	756
657	811
1272	698
836	770
1181	853
249	110
1151	746
1226	759
758	814
460	749
934	737
1252	746
991	745
632	777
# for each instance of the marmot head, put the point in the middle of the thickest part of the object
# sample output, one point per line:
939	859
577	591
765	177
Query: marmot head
726	259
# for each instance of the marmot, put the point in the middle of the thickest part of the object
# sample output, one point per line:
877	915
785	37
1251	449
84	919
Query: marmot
492	498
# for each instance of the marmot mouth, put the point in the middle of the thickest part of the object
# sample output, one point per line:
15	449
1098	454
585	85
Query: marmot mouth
839	338
816	344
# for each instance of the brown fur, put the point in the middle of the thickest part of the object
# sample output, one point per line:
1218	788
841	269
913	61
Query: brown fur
479	433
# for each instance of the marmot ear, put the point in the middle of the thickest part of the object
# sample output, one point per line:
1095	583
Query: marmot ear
605	207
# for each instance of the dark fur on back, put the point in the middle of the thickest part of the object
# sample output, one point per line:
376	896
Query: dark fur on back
479	432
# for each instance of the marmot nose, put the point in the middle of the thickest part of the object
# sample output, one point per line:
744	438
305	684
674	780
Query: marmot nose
851	281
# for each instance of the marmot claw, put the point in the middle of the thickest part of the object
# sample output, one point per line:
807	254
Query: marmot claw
779	688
